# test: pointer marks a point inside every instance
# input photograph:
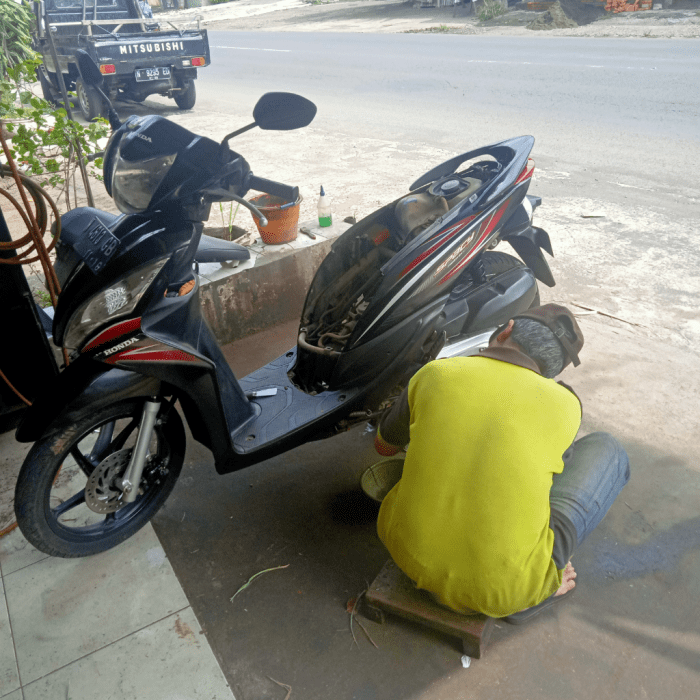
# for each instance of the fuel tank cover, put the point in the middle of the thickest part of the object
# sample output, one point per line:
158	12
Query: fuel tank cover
419	210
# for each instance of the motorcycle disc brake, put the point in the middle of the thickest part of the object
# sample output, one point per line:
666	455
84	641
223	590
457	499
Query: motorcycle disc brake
102	495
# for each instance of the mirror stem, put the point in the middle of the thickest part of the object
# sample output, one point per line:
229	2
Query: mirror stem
112	115
233	134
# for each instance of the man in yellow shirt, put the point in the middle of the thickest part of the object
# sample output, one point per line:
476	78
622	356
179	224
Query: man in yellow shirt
495	494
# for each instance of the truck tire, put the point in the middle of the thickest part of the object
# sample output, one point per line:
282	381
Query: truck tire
186	98
89	100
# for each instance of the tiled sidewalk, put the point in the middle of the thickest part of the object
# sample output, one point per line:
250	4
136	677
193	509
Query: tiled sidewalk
117	625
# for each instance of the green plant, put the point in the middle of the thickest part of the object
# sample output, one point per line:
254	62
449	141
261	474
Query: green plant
44	139
231	217
15	40
42	298
491	9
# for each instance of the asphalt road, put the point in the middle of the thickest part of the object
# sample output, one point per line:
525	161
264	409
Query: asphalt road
625	100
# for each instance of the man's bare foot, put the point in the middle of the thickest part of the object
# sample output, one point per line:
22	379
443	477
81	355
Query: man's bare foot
567	580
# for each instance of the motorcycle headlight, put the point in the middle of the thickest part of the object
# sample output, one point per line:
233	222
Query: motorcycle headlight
110	304
134	183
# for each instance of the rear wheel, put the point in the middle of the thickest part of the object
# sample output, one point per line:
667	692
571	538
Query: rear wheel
67	501
186	97
89	100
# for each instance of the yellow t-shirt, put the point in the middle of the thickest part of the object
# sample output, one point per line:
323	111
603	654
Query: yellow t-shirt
469	520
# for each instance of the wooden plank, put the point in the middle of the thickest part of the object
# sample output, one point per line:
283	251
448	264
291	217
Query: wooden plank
393	592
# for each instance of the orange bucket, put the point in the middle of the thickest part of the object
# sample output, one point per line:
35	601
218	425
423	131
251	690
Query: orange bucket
282	218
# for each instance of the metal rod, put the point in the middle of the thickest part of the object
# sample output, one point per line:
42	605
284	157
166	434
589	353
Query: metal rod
66	101
132	476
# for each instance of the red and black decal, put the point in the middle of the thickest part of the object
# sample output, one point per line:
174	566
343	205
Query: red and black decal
485	229
527	171
113	332
448	235
145	350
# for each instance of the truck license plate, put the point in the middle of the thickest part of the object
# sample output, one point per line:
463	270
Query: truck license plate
146	74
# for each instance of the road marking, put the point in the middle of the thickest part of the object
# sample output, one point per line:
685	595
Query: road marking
558	65
246	48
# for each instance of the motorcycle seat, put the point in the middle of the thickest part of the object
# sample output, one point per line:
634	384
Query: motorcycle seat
215	250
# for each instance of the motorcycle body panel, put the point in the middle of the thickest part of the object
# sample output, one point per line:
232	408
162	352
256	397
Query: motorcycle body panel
379	273
84	383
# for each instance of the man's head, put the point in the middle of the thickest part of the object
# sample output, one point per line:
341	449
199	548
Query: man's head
547	334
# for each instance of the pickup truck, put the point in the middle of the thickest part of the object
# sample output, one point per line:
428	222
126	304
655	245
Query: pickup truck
137	55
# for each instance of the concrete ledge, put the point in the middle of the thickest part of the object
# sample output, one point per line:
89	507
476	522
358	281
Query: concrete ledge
266	290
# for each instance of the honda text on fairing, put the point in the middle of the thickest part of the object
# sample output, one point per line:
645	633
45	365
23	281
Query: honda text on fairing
414	281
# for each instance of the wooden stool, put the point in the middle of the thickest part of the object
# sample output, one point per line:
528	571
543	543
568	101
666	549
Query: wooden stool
393	592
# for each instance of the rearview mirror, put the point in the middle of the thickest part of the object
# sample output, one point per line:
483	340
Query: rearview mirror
283	111
89	71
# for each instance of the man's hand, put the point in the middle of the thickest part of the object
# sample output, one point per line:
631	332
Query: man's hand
384	448
567	580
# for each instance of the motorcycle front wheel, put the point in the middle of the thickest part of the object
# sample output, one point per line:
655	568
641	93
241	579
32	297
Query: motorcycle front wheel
67	501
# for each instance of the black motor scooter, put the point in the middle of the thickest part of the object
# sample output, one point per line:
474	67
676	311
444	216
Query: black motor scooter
414	281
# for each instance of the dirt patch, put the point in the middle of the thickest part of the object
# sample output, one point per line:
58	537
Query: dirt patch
582	13
567	14
554	18
513	18
184	631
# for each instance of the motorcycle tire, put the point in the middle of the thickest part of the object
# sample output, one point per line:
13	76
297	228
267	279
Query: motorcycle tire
64	463
495	263
186	98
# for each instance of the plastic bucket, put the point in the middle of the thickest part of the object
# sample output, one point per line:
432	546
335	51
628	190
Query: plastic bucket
282	218
381	477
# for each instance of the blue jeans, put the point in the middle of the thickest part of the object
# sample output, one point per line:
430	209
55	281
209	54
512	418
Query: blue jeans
596	468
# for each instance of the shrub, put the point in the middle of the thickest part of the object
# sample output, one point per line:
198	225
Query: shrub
43	137
15	39
491	9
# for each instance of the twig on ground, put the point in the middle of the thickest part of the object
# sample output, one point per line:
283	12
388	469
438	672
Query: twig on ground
352	615
283	685
253	577
608	314
362	627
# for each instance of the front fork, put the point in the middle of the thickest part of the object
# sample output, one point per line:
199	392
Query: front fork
129	483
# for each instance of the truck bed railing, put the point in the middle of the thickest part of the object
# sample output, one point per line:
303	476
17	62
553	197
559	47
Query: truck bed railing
90	23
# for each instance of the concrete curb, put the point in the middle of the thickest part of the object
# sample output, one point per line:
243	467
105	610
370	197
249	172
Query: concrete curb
266	290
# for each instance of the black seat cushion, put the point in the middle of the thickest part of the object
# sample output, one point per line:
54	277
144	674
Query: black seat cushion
215	250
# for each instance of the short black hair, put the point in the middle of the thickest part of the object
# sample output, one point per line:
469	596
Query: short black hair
539	343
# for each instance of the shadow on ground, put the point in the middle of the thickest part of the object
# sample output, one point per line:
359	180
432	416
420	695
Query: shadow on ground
631	630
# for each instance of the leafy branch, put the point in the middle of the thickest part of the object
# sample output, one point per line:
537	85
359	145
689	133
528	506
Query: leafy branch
44	139
15	39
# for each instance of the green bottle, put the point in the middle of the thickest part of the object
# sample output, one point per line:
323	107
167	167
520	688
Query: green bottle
324	210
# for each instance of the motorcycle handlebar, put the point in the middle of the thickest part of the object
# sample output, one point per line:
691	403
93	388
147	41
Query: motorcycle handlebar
261	184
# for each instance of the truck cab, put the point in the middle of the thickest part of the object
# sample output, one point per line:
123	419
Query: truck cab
137	55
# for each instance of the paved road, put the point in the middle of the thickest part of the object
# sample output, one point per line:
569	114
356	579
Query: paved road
624	99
